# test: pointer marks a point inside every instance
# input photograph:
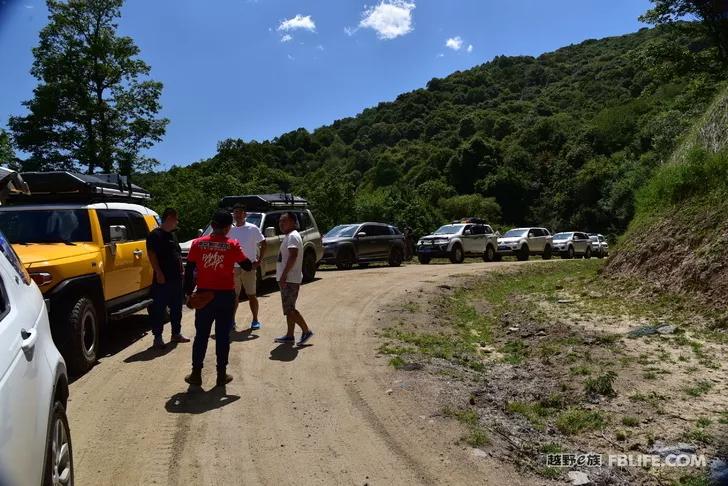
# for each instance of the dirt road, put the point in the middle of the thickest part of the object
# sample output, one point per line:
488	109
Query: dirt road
329	413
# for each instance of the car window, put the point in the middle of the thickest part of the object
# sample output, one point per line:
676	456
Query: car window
138	229
4	301
395	230
271	220
533	233
45	225
369	229
488	230
12	257
304	222
113	217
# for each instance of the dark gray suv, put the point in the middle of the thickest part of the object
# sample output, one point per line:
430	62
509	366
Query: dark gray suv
363	243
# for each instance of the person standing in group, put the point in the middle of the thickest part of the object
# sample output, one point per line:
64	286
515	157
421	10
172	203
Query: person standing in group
210	267
165	256
253	244
289	273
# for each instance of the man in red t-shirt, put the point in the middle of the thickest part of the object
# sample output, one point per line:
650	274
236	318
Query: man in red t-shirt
212	261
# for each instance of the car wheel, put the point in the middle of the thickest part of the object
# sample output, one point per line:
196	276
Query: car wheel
587	254
523	253
423	259
570	253
547	253
395	257
83	342
456	254
345	259
59	453
309	266
600	254
489	254
364	265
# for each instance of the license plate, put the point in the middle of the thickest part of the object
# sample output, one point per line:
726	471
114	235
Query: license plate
501	248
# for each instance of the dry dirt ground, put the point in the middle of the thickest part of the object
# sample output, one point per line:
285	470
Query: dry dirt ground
330	413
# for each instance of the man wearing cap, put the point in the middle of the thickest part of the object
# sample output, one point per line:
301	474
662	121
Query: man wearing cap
210	266
253	244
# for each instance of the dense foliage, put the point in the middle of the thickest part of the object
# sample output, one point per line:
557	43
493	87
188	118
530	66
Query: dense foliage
562	140
94	107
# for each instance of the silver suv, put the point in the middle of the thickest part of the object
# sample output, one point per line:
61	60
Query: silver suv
600	246
470	237
264	211
572	244
524	242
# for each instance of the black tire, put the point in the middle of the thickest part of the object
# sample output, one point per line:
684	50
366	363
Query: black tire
523	253
600	254
457	255
62	459
83	326
395	257
345	259
309	266
490	254
568	254
547	253
424	260
587	253
364	265
498	257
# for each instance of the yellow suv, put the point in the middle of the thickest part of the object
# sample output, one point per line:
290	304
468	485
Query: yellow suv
83	240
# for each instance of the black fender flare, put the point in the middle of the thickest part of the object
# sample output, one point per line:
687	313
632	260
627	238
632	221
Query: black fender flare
90	284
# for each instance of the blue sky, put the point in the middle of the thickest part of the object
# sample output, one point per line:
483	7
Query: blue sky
254	69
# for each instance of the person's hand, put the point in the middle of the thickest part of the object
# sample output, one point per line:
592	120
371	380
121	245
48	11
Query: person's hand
160	278
256	264
283	282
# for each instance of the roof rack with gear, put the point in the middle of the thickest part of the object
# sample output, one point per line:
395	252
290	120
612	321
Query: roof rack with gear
264	202
63	186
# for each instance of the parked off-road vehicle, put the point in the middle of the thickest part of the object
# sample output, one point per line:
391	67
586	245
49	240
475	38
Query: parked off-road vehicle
600	245
264	211
573	244
362	244
82	239
524	242
470	237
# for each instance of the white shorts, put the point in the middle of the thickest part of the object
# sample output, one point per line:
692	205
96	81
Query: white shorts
245	280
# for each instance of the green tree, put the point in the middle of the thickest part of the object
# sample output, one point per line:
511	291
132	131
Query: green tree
713	15
471	205
94	106
7	152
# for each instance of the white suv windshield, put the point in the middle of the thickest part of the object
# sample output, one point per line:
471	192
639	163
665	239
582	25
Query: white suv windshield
449	229
515	233
342	231
252	218
562	236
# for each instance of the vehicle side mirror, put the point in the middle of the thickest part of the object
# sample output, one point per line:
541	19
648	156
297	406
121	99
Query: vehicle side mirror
361	234
269	232
118	233
467	232
200	232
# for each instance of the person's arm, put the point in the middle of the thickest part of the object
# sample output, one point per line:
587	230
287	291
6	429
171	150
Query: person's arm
152	250
189	286
292	254
262	246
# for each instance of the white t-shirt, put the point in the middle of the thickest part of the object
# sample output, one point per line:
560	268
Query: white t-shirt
295	274
249	236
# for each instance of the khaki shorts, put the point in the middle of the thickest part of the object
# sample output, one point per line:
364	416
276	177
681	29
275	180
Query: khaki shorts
245	280
289	296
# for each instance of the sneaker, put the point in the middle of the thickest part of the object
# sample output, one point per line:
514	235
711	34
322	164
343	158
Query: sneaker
255	325
179	338
158	343
305	337
285	339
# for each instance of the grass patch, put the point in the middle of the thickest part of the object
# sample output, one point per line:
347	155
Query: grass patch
477	436
601	385
397	362
699	388
515	352
577	420
537	412
630	421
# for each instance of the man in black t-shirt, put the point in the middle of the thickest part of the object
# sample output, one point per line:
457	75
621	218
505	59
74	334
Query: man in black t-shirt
165	256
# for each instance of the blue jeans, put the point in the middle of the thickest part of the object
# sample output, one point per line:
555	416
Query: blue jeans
168	295
220	310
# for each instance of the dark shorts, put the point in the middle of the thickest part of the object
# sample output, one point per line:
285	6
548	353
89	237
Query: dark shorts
289	296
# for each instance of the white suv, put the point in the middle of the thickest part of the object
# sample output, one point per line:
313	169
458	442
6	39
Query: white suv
35	440
572	244
458	240
523	242
600	246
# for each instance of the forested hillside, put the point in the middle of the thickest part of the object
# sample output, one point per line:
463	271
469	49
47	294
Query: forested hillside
562	140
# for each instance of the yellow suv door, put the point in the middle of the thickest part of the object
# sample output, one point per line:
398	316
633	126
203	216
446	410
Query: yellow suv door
123	253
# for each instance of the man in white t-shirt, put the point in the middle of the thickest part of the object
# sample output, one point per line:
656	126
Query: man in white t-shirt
289	273
253	244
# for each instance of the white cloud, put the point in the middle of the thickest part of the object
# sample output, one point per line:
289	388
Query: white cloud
440	55
350	31
390	19
298	22
286	38
320	47
470	48
454	43
291	58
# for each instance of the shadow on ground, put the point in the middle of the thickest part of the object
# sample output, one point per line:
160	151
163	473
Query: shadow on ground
196	400
151	353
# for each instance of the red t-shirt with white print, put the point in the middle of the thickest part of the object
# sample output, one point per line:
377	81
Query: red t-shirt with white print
215	257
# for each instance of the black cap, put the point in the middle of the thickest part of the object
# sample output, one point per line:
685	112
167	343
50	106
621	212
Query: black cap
239	206
222	219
